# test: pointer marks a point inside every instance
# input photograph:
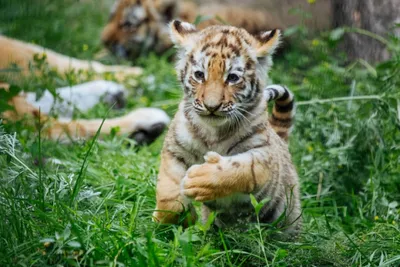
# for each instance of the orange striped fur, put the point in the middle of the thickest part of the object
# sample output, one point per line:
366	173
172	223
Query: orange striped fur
281	119
222	146
146	122
137	26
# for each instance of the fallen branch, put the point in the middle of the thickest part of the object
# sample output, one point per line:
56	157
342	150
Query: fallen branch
338	99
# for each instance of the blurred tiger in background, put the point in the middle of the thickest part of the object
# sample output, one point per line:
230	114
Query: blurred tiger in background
143	125
137	27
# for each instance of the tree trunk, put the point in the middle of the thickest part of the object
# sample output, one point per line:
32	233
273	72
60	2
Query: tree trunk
376	16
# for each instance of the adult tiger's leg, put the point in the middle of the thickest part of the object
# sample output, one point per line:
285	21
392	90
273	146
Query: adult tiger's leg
143	125
21	53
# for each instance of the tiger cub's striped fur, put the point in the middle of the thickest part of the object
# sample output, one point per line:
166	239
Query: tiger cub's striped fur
221	146
283	112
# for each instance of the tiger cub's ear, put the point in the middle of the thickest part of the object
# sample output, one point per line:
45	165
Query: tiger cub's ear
181	32
267	42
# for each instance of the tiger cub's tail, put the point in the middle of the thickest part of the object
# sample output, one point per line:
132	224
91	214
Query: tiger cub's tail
283	111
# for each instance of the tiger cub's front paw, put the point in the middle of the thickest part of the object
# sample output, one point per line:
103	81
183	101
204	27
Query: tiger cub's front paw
204	182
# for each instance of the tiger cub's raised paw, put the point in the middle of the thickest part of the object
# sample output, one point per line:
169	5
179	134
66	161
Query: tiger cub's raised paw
204	182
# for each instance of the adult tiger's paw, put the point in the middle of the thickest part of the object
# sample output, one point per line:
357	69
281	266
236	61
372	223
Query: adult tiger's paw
144	125
204	182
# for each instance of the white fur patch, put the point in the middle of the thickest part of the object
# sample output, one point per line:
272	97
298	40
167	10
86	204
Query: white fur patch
114	7
281	91
139	13
82	97
187	26
145	118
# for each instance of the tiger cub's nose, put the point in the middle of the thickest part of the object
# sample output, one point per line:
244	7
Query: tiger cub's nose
212	108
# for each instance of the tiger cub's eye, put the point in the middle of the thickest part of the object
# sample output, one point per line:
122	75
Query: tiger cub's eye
232	78
199	75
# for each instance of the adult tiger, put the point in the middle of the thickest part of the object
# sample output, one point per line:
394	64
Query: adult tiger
140	26
143	125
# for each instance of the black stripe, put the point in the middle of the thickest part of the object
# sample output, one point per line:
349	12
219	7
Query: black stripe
265	39
249	64
250	107
270	213
187	89
271	95
285	126
194	130
241	96
257	87
254	129
183	76
252	93
274	191
284	108
281	120
179	28
285	96
253	175
243	139
276	92
263	144
177	157
205	47
282	134
191	59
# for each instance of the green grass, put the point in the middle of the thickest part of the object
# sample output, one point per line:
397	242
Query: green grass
90	203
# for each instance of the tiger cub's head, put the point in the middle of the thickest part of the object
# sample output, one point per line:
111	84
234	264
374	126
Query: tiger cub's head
222	70
138	26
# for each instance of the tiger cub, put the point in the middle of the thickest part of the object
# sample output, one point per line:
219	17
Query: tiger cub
221	146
